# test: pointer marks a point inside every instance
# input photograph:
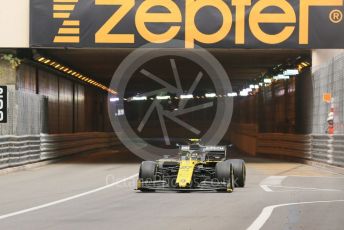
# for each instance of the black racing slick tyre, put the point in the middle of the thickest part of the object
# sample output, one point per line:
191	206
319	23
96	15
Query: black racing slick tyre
239	168
147	170
224	173
147	173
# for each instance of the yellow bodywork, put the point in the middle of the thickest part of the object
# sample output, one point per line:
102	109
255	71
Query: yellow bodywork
185	172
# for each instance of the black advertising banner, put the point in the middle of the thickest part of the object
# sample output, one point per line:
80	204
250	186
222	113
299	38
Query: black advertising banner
207	23
3	104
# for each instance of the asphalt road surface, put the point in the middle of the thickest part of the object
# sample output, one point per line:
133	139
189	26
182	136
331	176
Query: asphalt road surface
97	192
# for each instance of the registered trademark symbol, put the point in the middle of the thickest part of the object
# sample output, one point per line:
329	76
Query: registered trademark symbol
336	16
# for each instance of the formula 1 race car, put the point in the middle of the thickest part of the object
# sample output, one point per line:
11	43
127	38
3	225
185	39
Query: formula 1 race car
197	167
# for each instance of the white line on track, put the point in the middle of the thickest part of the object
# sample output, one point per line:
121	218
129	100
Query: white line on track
325	177
67	198
267	211
306	188
266	188
270	181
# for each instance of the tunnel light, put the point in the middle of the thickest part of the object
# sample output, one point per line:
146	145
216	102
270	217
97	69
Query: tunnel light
186	96
243	93
163	97
71	72
281	77
232	94
139	98
210	95
256	86
267	81
114	99
291	72
260	84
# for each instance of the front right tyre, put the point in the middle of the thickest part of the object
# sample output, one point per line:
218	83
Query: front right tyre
239	168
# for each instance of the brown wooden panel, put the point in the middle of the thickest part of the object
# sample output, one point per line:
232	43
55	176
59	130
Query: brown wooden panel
79	108
26	78
48	86
65	106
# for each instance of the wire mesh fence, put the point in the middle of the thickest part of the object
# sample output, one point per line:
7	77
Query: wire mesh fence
26	113
329	78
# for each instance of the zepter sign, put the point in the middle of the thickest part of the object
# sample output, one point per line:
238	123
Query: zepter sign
209	23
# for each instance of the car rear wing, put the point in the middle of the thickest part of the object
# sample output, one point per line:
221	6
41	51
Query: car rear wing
215	152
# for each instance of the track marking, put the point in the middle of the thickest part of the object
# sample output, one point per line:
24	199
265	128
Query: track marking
305	188
267	211
266	188
67	199
271	181
330	177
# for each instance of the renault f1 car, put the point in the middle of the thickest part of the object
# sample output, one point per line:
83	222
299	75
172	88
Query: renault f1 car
197	167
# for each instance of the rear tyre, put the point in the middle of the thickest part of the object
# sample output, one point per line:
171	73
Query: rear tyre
147	173
224	173
239	168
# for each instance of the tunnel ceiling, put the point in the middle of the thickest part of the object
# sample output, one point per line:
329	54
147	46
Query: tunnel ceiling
242	65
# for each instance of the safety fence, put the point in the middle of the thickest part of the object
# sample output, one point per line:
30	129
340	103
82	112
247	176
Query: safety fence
26	114
20	150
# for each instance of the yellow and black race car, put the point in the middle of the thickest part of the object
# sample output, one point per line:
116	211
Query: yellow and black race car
197	167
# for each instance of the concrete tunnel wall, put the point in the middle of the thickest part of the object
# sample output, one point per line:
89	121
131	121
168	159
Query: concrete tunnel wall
65	106
283	119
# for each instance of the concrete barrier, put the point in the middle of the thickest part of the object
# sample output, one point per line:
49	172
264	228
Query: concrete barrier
21	150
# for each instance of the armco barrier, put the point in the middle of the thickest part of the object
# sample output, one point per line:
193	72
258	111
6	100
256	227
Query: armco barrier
53	146
21	150
281	144
328	149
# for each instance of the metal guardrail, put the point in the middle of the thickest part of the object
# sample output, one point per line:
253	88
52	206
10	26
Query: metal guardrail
327	149
53	146
21	150
282	144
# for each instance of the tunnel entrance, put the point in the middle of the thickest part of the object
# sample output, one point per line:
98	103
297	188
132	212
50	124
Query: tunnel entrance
264	101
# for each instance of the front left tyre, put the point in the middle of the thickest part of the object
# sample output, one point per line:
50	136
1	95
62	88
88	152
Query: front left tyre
239	168
224	173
